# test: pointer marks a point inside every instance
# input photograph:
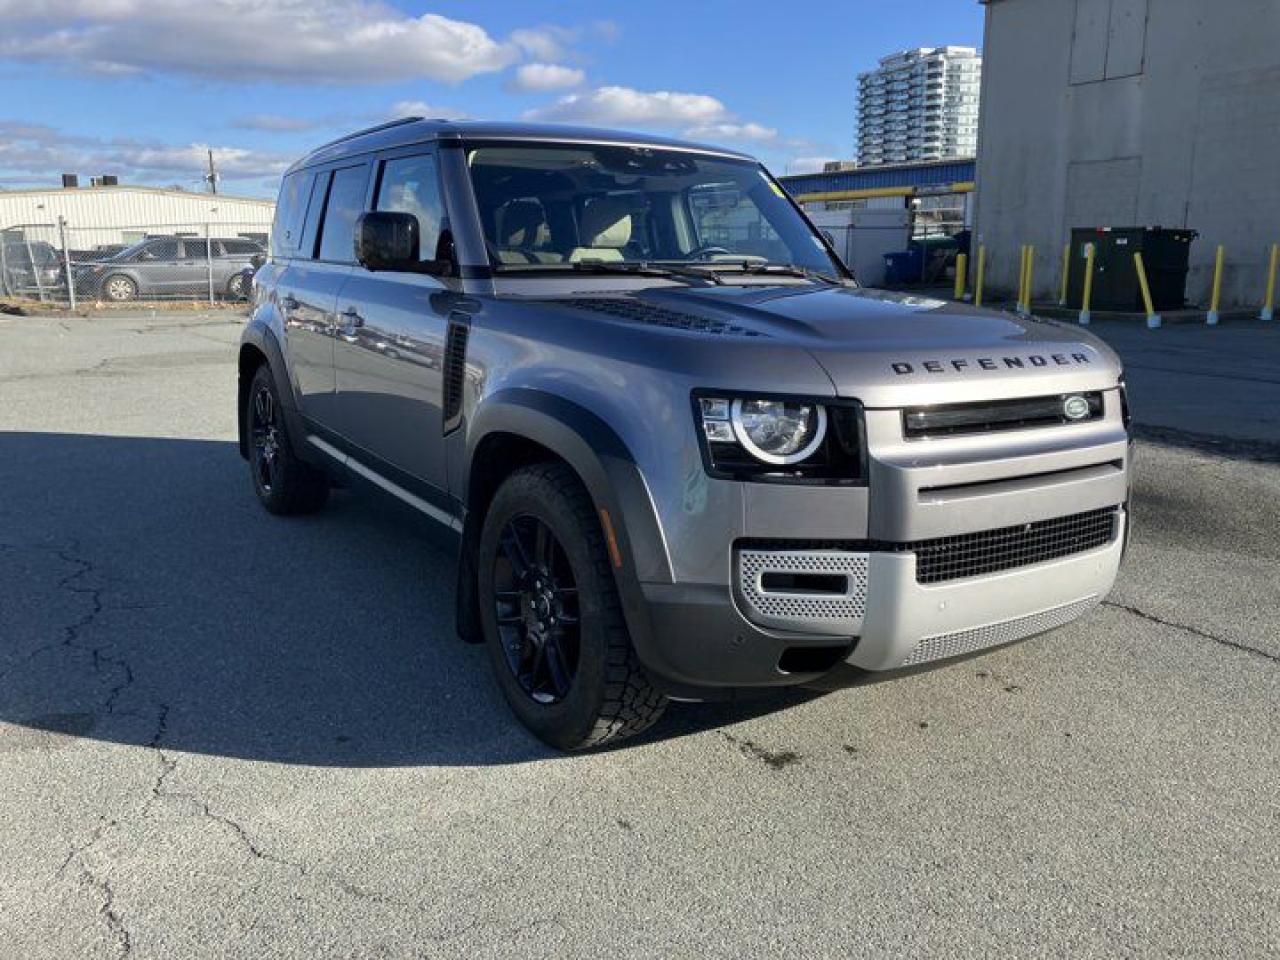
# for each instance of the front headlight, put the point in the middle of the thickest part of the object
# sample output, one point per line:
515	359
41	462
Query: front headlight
777	431
780	439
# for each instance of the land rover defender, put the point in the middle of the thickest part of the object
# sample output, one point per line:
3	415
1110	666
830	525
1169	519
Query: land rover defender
683	453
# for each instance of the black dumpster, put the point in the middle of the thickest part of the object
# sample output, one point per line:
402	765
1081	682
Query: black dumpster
1165	253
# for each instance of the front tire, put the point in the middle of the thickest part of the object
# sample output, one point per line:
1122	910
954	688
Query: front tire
119	289
552	618
284	484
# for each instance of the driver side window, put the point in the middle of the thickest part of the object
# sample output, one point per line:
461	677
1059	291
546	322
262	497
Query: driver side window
411	185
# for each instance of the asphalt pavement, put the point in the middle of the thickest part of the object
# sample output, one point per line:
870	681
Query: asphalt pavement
224	734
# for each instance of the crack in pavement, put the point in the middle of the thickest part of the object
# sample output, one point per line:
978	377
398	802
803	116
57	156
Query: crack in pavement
1194	631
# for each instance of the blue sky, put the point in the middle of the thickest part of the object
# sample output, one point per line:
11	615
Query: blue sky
142	88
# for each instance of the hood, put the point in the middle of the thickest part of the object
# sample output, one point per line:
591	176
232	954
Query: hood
889	349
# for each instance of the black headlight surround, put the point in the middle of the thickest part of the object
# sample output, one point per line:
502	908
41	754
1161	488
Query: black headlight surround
841	459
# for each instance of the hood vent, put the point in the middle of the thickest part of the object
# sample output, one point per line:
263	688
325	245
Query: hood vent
640	311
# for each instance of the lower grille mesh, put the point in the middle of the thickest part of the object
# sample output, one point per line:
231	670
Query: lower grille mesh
975	554
957	644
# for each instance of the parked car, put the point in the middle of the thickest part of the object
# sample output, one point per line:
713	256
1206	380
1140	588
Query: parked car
30	269
169	267
684	453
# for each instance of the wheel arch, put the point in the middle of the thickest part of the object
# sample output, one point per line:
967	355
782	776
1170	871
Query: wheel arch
518	426
258	346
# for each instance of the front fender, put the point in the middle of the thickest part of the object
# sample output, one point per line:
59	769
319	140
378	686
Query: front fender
608	470
596	453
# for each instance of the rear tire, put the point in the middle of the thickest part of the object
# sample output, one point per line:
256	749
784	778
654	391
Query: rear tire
568	582
238	287
284	484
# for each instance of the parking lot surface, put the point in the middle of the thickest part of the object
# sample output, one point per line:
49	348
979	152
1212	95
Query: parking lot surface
227	734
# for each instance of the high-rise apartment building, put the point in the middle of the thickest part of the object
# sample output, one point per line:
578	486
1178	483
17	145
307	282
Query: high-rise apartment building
919	105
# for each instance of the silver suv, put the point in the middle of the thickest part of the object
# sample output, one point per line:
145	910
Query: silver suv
684	454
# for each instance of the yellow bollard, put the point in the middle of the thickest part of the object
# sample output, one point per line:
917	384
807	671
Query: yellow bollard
1219	261
981	277
1153	318
1268	306
1031	268
1022	278
962	266
1066	274
1089	253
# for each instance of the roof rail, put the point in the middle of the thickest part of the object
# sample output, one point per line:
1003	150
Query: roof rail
374	129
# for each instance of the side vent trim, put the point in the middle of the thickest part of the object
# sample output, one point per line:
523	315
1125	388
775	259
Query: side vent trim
455	369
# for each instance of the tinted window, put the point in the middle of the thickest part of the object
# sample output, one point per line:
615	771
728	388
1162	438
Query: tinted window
291	212
410	185
238	248
346	202
159	250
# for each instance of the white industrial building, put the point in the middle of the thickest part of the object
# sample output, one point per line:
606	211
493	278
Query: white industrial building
919	105
1131	113
97	215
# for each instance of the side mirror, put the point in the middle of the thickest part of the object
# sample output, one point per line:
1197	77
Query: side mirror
389	240
257	260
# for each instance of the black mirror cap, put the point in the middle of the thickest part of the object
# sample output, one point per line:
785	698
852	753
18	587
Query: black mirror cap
257	260
387	240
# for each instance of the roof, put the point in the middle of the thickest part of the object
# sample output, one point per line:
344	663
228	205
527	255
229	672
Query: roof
410	130
130	188
925	174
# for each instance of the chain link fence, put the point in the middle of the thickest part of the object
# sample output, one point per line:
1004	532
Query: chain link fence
61	264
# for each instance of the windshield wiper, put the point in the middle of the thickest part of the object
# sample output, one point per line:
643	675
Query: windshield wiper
634	268
791	270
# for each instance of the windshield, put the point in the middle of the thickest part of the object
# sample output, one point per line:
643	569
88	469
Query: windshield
554	206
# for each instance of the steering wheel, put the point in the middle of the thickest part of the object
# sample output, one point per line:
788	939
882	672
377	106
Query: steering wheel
706	250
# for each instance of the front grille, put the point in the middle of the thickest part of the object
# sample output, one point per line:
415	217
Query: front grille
975	554
955	419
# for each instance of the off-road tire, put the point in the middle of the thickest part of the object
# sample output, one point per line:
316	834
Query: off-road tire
294	487
611	696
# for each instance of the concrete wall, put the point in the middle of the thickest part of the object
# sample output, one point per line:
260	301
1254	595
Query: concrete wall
1131	113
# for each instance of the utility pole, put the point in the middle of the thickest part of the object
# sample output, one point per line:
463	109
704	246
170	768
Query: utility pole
212	175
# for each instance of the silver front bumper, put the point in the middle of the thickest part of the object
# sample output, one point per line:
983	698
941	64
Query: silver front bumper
902	623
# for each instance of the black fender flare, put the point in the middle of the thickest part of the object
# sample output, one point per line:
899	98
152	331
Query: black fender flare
607	468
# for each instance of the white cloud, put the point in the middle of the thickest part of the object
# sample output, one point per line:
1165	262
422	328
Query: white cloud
542	77
420	108
37	153
807	164
288	41
275	123
751	132
623	105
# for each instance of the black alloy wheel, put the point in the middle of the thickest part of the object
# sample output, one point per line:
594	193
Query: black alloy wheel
536	607
284	484
264	435
551	615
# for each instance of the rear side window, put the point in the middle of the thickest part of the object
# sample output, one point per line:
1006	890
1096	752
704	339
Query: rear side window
411	185
345	203
291	213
